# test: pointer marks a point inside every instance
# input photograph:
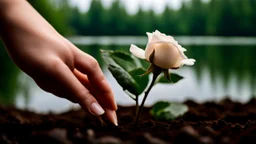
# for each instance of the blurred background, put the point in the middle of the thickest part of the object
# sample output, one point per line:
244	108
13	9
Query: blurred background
219	34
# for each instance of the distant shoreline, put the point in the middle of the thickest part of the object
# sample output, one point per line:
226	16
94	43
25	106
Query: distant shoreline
141	40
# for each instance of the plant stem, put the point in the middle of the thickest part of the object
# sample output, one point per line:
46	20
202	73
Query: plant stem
137	105
155	75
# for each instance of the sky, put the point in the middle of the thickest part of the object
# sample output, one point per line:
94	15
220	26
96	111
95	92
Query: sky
132	6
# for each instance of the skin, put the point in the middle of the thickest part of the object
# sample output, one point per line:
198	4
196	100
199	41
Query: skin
55	64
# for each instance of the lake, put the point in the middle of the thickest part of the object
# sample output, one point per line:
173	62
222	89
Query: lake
224	68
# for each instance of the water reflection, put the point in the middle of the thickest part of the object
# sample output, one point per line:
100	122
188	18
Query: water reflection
220	70
232	67
225	62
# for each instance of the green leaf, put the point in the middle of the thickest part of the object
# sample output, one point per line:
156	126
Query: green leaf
128	80
168	111
124	79
173	77
126	61
105	54
142	81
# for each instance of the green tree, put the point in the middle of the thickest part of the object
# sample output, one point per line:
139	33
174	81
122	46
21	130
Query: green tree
197	18
53	15
168	22
226	22
182	19
9	78
94	19
244	17
117	18
76	21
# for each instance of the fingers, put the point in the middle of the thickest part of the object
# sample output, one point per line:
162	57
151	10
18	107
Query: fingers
69	82
109	113
89	66
82	78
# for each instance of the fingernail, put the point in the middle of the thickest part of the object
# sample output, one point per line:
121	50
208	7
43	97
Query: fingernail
115	119
111	116
96	109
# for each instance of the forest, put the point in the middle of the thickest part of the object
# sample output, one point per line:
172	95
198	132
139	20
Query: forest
195	17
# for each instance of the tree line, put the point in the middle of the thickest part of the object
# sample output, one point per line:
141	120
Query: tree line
216	17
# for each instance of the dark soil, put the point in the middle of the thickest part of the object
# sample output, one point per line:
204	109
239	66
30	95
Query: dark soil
225	122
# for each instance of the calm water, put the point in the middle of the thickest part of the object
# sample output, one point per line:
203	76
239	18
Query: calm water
225	68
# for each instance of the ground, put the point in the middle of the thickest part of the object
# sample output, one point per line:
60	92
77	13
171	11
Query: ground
223	122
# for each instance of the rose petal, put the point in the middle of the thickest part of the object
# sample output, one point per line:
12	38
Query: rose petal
156	38
138	52
183	49
188	61
150	35
161	37
157	32
166	55
171	39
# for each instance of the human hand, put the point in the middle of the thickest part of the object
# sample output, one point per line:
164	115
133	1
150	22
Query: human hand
55	64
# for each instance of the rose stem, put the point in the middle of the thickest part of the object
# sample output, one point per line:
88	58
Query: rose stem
156	73
137	104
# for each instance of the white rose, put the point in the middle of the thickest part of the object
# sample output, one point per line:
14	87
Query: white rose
168	53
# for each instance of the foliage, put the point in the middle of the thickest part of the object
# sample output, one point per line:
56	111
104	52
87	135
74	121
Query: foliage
174	78
58	17
168	111
8	76
126	70
216	17
195	17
